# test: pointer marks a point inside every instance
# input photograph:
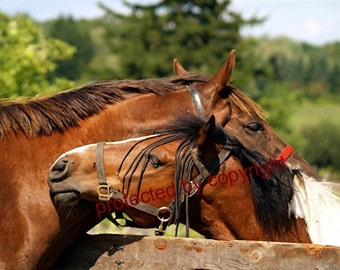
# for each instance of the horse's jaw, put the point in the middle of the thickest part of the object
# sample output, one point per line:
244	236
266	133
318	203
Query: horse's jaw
296	162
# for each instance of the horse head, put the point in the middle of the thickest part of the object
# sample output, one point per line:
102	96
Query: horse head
191	163
247	122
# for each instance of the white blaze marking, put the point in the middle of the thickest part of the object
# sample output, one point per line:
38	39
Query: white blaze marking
83	148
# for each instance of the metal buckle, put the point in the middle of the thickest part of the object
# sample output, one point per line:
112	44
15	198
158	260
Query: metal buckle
160	231
106	195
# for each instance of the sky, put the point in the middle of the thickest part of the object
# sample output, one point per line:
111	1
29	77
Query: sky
312	21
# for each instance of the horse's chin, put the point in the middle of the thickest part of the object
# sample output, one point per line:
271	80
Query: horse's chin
67	198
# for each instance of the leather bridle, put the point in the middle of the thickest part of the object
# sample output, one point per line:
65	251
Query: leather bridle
165	213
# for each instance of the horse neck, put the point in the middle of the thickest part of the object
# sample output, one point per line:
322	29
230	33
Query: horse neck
227	210
25	163
25	197
75	224
25	194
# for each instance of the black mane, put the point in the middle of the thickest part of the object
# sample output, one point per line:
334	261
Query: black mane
271	196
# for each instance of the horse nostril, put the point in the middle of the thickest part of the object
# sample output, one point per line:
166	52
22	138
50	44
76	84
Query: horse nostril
60	165
59	171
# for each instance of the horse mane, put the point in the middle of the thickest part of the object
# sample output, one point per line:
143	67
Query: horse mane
43	116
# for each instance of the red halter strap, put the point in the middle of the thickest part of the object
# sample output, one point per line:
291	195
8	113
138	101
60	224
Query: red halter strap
285	154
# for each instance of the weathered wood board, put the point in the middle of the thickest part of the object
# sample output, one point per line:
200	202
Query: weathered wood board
138	252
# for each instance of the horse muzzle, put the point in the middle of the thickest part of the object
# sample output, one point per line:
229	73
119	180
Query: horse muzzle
59	171
62	193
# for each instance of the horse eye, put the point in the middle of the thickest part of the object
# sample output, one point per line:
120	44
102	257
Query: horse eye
254	127
154	161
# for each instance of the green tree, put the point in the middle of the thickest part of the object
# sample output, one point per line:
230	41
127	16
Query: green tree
27	57
200	33
75	33
281	102
323	145
334	79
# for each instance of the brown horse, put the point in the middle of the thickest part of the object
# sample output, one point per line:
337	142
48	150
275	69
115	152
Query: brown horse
248	119
34	133
232	192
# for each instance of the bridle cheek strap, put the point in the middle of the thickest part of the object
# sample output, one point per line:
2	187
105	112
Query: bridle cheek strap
103	190
197	101
286	153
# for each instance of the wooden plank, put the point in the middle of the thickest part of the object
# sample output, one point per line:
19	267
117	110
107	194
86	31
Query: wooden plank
138	252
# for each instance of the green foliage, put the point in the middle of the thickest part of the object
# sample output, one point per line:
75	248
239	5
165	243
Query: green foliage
311	69
311	114
323	145
334	79
281	102
27	57
198	33
77	34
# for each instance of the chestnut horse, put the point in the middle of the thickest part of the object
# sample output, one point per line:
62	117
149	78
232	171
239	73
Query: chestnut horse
34	133
232	192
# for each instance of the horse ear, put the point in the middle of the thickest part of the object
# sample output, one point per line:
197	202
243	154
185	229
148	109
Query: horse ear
204	146
178	68
222	76
206	132
224	116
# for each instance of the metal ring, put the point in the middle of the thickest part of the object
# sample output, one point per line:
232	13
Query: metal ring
161	218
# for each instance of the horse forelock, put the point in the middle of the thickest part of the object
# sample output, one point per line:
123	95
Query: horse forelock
189	125
56	113
245	104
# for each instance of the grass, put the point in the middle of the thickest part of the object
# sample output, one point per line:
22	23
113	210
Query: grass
107	227
312	114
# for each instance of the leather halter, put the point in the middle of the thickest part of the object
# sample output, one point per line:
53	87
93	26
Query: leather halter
105	191
285	154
